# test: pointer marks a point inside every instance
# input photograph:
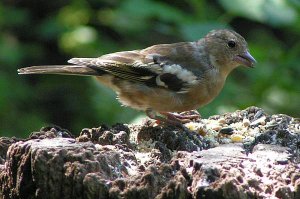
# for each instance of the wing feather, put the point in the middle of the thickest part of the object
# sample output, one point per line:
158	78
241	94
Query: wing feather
167	63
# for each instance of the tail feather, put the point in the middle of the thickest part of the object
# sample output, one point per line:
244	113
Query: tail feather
60	69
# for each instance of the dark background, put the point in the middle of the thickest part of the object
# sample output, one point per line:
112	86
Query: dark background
34	32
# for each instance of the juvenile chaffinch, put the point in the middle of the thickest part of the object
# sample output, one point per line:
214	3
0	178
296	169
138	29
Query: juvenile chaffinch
164	78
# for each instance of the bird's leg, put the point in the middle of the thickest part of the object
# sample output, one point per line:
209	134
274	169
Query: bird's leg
168	120
183	117
175	117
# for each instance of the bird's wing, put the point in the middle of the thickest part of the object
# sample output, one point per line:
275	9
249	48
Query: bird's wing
128	65
163	65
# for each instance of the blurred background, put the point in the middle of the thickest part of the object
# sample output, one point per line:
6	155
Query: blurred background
51	32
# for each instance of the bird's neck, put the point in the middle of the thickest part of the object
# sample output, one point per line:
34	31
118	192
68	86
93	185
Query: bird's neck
222	69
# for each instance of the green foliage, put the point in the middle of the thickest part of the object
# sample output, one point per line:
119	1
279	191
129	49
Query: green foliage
272	12
52	32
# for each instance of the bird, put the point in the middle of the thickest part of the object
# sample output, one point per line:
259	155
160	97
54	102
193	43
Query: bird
164	79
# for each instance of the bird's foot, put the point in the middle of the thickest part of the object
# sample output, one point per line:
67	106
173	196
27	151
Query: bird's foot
176	119
167	120
183	117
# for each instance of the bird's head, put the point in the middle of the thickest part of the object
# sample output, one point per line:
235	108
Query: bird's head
228	49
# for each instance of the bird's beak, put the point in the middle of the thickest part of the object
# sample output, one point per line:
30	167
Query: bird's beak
245	59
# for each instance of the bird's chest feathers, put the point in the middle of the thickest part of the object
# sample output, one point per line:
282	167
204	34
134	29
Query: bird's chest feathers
214	81
205	90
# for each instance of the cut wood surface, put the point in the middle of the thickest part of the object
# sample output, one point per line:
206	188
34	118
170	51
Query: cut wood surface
245	154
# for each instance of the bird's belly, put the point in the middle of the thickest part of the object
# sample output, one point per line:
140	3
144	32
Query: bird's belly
159	101
142	97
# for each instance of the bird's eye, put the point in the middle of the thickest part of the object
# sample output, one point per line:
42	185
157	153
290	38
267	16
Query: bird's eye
231	44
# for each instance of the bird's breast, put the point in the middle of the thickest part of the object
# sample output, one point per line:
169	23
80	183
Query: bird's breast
207	88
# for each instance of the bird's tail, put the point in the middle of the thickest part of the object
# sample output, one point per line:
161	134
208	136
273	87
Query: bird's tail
60	69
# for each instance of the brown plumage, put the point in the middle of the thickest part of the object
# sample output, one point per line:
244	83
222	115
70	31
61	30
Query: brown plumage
166	77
